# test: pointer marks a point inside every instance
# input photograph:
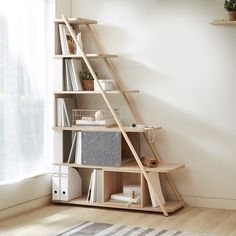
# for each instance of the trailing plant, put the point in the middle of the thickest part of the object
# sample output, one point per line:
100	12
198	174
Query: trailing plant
86	75
230	5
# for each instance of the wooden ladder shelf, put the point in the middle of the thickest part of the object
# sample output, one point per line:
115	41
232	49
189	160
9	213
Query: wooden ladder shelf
121	128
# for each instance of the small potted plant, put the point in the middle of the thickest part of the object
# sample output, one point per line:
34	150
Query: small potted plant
230	6
87	80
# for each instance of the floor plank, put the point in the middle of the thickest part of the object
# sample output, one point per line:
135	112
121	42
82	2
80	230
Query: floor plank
53	219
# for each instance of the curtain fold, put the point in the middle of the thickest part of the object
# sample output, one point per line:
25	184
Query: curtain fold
24	71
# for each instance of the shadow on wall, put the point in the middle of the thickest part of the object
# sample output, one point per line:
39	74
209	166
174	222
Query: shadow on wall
185	138
195	140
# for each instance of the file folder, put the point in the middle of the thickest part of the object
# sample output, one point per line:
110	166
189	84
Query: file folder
71	183
56	183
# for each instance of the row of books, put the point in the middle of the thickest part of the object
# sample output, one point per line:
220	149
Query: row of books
72	81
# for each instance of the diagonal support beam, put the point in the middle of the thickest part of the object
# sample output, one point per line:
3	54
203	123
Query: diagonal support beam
122	130
134	112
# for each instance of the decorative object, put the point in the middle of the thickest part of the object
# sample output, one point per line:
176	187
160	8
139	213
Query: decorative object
87	80
98	115
96	228
230	6
106	85
150	162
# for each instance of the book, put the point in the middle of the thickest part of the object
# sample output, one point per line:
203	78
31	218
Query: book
78	153
90	187
155	179
79	38
74	67
95	187
59	112
99	186
64	111
67	44
68	105
72	149
67	80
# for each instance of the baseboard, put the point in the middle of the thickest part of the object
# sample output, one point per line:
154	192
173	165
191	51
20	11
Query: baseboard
198	201
24	207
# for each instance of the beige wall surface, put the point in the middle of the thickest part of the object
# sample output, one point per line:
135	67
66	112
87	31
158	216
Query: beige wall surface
185	70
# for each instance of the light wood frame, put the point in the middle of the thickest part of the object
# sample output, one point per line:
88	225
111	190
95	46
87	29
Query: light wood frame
133	111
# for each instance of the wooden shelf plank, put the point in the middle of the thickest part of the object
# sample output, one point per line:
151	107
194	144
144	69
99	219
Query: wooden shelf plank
80	21
223	22
162	168
89	56
104	129
131	167
93	92
171	206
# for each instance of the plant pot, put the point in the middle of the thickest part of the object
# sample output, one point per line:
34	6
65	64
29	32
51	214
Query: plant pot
232	15
88	85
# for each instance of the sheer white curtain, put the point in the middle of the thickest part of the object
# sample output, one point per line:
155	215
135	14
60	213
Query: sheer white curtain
24	74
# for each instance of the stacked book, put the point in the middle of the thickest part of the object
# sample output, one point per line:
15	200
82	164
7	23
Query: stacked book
131	194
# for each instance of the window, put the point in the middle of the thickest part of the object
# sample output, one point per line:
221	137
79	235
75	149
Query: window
24	75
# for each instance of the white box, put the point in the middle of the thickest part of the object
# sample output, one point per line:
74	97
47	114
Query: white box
106	85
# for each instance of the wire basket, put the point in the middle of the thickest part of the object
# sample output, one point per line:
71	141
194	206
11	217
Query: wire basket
93	117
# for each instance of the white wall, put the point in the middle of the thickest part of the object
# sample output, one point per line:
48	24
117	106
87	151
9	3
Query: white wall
185	69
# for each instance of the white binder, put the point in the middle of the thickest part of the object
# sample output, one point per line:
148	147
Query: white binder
56	183
66	183
71	183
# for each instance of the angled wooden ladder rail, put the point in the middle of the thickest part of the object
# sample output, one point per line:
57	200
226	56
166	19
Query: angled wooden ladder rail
120	126
134	113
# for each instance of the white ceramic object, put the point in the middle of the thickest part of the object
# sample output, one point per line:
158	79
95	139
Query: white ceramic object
106	85
98	115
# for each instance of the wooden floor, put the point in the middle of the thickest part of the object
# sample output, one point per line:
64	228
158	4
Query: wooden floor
53	219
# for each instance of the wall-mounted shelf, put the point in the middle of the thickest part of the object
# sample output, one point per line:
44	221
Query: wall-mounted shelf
223	22
104	129
90	56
